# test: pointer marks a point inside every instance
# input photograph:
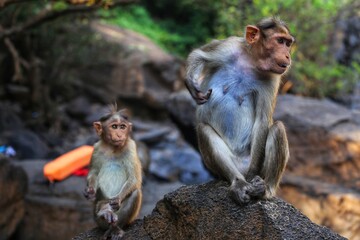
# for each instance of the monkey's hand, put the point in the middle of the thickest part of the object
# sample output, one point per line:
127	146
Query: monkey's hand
196	93
114	204
90	193
202	98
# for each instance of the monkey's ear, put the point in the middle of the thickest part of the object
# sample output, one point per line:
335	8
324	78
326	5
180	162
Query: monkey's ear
252	34
98	128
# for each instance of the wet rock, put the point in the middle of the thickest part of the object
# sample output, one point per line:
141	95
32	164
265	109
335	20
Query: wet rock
206	212
13	187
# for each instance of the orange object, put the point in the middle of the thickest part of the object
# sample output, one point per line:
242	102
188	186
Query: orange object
66	164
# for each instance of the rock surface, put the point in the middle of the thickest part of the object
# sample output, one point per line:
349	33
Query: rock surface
53	211
322	201
13	187
136	70
206	212
324	140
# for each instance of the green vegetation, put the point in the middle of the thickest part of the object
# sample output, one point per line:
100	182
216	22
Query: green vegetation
138	19
179	26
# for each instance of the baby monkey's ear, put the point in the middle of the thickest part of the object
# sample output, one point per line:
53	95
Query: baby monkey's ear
98	128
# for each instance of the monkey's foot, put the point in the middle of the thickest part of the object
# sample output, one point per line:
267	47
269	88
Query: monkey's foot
243	192
257	187
238	191
110	217
113	233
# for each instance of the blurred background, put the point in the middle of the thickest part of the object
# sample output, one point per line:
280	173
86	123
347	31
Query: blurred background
62	63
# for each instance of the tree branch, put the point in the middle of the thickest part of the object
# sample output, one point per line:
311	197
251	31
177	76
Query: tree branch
47	15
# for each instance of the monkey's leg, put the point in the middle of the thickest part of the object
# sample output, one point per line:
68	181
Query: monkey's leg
276	157
219	159
127	212
129	208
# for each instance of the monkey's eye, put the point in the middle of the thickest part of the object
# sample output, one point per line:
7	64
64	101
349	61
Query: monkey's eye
280	40
122	126
114	126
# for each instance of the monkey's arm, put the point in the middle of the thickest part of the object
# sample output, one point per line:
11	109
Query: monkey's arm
91	183
214	54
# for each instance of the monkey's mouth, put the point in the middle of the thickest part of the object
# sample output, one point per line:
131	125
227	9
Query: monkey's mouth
283	65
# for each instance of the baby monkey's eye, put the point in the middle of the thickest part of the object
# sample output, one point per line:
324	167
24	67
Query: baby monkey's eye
123	126
114	126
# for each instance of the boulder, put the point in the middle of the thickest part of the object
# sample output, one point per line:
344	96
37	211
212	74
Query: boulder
53	211
27	144
132	68
326	204
172	158
324	139
206	212
13	187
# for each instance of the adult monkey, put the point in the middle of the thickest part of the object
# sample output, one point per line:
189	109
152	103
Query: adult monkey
235	83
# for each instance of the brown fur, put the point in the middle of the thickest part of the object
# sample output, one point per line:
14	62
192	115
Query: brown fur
236	134
115	176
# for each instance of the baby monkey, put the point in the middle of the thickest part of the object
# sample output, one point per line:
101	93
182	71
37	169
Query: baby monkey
115	176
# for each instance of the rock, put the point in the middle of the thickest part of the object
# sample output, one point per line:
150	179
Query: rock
206	212
347	39
13	187
53	211
9	119
79	107
181	108
27	144
355	100
326	204
324	140
172	159
133	69
154	191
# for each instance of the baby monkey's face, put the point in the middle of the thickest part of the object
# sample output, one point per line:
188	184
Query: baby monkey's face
116	131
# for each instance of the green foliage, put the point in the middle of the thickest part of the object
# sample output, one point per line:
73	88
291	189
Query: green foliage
138	19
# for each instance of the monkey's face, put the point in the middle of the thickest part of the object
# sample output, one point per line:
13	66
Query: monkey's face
116	131
279	47
271	49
